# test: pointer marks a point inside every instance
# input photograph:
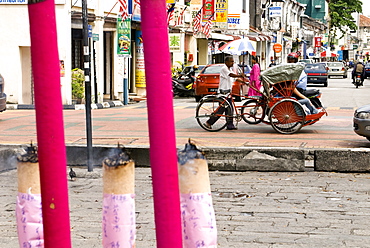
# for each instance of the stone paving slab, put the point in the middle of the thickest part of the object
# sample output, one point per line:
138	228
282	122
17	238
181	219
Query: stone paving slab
253	209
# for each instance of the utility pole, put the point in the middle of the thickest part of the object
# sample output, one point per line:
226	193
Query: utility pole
87	70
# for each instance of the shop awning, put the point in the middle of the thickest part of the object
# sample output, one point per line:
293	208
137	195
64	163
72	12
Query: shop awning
260	37
217	36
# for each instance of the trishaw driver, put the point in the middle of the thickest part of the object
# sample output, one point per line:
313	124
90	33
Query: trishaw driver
227	76
301	86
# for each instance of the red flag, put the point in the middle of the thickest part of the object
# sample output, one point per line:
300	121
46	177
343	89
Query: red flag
170	10
207	27
123	9
196	21
180	18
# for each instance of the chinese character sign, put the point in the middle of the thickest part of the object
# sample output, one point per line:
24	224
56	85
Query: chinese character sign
174	41
221	13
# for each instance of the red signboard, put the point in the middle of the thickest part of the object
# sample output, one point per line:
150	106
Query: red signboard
317	41
208	9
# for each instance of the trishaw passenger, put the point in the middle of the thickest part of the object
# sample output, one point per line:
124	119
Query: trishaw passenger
301	86
254	78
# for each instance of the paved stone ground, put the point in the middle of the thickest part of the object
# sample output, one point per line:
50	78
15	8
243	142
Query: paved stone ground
253	209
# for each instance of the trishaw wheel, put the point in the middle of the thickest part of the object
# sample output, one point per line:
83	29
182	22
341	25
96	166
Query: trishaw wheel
212	109
253	111
287	116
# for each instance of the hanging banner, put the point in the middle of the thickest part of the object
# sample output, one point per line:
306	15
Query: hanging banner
124	37
221	14
140	66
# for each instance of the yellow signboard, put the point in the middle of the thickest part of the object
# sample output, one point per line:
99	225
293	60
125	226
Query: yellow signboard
221	13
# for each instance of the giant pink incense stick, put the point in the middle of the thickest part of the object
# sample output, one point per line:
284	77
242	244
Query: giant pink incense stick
49	123
163	154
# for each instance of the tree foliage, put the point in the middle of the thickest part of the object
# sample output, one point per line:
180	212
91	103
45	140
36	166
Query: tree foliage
340	12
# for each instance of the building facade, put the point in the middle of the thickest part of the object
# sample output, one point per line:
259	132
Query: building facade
116	47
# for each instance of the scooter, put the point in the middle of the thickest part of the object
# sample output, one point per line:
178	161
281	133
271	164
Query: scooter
358	81
183	87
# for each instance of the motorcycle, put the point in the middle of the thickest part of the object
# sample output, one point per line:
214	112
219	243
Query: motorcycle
183	86
358	80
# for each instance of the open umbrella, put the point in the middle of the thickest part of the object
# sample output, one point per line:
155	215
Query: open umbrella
237	47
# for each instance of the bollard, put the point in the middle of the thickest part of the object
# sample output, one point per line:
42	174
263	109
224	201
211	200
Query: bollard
197	213
118	200
28	208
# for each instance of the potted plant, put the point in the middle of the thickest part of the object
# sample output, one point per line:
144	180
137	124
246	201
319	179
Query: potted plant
78	87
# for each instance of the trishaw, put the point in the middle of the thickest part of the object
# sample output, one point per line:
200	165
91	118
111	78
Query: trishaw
276	107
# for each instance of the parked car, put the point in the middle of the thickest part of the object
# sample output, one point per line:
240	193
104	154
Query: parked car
207	82
2	95
361	121
316	74
367	70
336	69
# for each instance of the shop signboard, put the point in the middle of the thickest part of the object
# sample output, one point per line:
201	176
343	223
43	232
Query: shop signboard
174	41
317	41
275	11
139	62
124	37
136	10
277	48
221	14
208	9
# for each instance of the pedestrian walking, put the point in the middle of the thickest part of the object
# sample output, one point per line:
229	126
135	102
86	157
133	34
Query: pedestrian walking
254	78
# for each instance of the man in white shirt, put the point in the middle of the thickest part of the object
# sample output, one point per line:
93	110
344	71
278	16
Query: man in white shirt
227	76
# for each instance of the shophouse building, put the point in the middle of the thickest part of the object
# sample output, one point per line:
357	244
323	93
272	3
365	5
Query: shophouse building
116	47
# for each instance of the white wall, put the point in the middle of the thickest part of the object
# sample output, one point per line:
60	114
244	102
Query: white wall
14	26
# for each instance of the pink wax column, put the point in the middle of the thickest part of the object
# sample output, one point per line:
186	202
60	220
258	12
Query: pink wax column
163	154
49	124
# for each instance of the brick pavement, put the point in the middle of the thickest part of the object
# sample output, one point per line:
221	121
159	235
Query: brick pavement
128	126
253	209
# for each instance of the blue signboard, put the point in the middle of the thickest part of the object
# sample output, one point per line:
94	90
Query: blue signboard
340	55
275	12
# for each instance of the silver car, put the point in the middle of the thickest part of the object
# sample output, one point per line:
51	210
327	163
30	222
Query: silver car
336	69
2	95
361	121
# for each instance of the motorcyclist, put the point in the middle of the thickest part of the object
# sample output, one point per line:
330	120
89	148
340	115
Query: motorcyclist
301	86
359	68
191	73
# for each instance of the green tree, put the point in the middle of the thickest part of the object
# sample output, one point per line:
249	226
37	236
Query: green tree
340	12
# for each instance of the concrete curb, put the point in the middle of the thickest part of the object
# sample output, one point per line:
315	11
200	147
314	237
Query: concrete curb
226	159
